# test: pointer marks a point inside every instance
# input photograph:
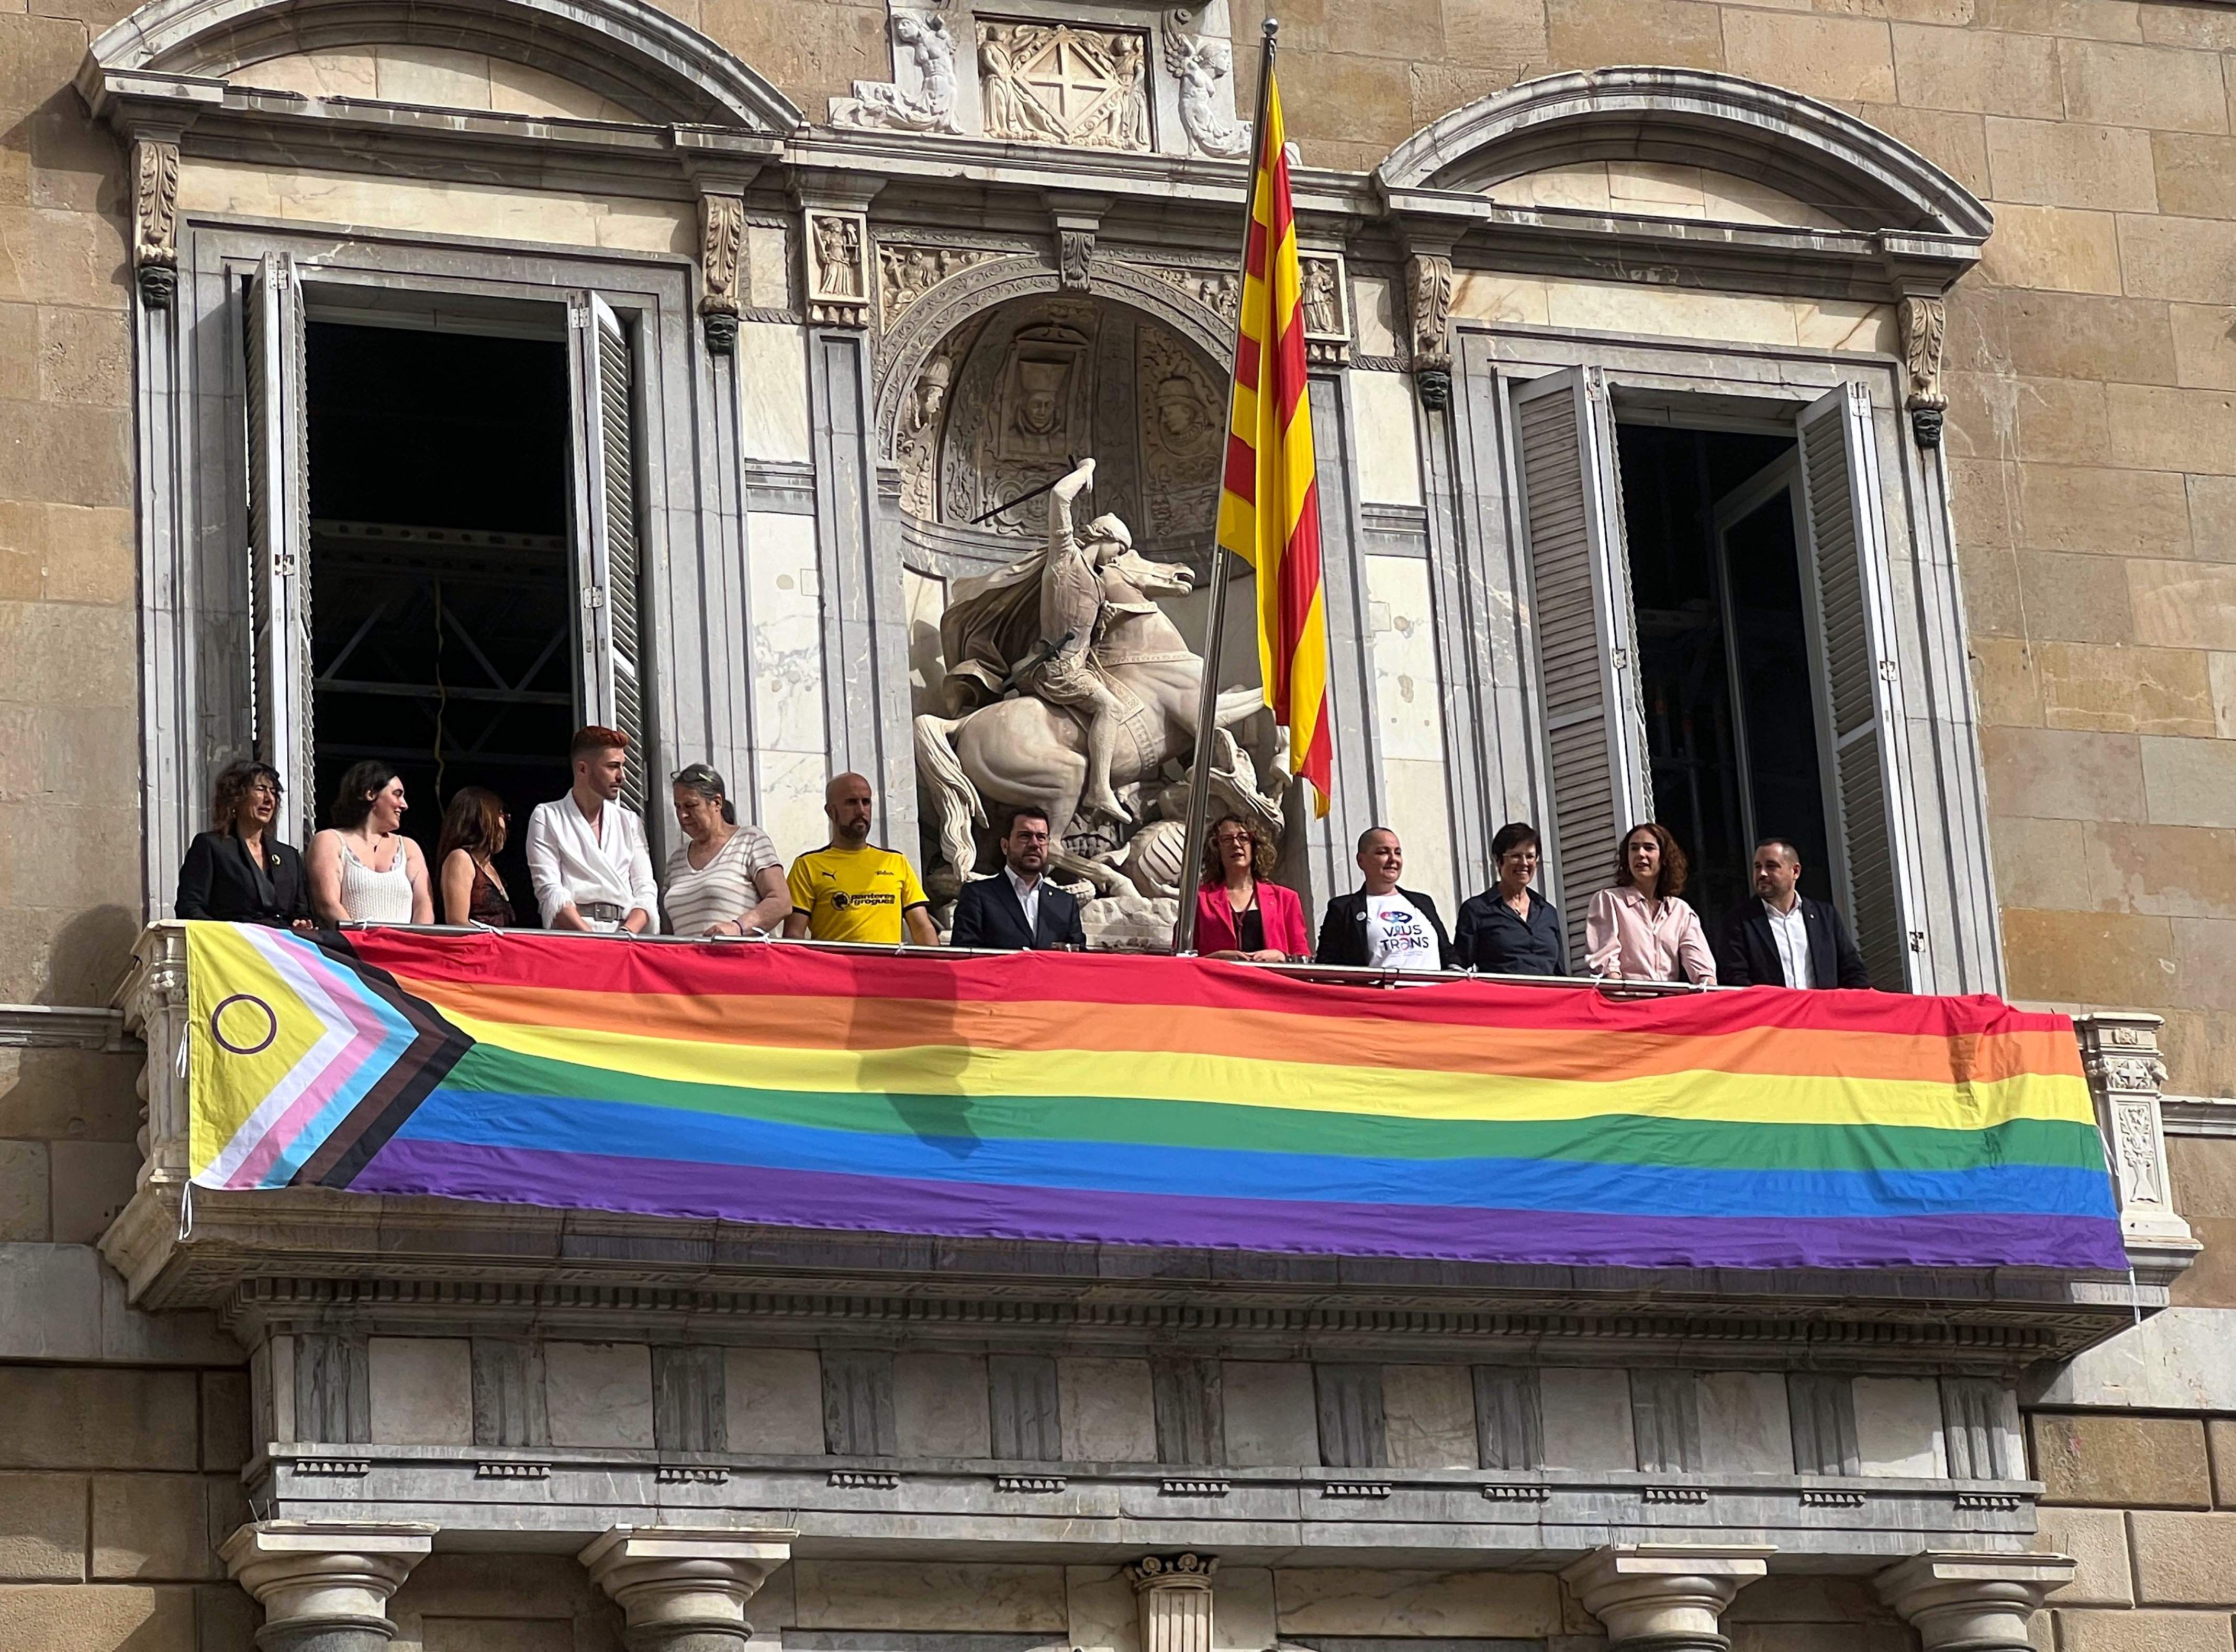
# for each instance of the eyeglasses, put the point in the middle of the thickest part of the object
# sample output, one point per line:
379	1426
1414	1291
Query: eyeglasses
698	774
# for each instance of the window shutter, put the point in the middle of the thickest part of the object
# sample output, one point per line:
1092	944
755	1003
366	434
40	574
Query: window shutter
608	552
1581	616
279	533
1855	679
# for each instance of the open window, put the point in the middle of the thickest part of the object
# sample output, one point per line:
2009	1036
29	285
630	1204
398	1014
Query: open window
445	523
1711	617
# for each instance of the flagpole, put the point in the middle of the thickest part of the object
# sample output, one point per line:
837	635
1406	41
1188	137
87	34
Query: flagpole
1207	711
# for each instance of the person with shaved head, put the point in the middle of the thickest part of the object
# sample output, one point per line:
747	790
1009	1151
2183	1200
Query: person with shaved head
851	889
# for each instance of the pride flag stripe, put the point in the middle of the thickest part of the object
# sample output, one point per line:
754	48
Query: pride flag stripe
1135	1101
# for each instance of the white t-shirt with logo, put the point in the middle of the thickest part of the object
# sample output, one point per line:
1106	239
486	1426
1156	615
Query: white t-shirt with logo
1397	937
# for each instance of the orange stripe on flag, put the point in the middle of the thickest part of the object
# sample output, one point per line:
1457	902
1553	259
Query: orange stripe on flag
1269	512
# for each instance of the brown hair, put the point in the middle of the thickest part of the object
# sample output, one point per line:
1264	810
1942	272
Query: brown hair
232	784
589	741
1264	856
1673	864
475	823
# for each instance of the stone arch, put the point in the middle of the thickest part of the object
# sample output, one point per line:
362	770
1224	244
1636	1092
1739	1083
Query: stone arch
945	309
1692	117
628	51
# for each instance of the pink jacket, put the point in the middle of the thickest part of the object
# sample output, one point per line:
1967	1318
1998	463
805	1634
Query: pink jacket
1619	938
1278	906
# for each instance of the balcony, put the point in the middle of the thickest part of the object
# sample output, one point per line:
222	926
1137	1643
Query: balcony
550	1373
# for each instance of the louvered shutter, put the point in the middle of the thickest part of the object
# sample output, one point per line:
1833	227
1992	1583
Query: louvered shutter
608	548
1855	679
1581	616
279	534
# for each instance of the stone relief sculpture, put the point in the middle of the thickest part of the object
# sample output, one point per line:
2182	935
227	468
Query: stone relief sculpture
1182	436
1429	309
1200	62
1021	416
837	267
931	106
1058	84
906	273
1101	692
1924	324
155	219
917	446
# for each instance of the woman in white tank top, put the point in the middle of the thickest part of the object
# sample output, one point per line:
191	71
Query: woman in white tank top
363	870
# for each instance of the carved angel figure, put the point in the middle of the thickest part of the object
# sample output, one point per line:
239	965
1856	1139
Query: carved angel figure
1200	62
883	103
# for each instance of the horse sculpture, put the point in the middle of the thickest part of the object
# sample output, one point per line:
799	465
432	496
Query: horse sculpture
1021	750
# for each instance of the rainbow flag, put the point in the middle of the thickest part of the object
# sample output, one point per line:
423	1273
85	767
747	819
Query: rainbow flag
1139	1101
1269	503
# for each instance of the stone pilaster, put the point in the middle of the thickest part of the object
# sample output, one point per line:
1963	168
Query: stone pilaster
1667	1596
324	1586
1960	1602
1174	1594
684	1588
2119	1053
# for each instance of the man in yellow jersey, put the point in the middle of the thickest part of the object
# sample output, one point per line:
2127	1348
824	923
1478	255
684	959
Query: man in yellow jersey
851	892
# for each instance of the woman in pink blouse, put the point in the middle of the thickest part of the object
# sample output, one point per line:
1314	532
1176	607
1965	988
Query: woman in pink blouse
1640	930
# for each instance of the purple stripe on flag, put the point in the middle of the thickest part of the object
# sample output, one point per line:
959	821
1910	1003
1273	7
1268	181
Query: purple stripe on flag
895	1205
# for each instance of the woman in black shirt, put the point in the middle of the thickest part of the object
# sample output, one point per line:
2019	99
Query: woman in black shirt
1510	928
238	869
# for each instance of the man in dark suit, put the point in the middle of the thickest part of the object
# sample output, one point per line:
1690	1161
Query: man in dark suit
1782	937
1379	925
1017	908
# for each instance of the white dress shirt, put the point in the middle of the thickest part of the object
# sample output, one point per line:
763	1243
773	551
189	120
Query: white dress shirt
1791	932
569	859
1029	897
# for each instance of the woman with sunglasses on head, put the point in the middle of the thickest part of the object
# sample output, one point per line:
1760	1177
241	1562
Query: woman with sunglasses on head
239	871
1239	912
474	834
723	878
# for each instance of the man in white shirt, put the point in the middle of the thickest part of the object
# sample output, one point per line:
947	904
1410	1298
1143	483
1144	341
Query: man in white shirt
1783	937
1380	925
587	855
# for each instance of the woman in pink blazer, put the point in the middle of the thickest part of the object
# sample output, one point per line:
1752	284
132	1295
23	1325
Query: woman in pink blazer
1239	913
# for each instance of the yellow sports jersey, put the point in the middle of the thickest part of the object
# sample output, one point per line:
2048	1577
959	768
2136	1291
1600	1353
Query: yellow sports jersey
854	894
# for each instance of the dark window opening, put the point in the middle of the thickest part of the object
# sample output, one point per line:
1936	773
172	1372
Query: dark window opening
441	590
1724	664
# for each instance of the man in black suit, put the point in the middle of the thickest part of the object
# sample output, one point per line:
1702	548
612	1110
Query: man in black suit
1017	908
1379	924
1782	937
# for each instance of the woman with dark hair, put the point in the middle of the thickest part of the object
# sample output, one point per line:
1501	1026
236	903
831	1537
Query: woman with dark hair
239	871
1239	913
1510	928
473	836
362	869
723	878
1640	930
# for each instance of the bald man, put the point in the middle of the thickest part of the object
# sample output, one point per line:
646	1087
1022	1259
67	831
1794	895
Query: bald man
852	890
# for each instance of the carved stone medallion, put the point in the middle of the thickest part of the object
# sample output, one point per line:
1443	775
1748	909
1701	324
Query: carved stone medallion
1060	83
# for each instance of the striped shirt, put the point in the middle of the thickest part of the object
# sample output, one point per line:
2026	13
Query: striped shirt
722	891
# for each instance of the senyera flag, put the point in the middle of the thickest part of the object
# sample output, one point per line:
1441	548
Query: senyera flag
1269	507
1102	1099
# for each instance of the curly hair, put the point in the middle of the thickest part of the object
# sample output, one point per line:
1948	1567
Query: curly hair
1264	855
232	784
1673	864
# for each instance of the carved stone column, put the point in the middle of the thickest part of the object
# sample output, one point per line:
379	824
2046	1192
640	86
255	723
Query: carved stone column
1924	323
2119	1053
1175	1593
1972	1603
684	1588
324	1586
1668	1596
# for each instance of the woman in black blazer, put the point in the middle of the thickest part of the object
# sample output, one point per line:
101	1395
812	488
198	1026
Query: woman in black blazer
239	871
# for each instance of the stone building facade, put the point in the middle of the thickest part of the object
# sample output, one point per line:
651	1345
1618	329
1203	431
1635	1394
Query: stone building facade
1925	306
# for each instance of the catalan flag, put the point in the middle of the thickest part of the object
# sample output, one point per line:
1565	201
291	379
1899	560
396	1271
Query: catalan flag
1269	506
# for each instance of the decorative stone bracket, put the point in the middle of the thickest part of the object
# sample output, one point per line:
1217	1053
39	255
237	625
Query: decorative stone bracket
155	219
1175	1598
1924	324
1972	1603
722	248
1670	1596
1429	314
2119	1053
684	1588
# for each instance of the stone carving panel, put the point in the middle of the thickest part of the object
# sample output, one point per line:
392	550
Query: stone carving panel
837	267
1180	436
922	97
1203	66
906	272
1063	83
1326	302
